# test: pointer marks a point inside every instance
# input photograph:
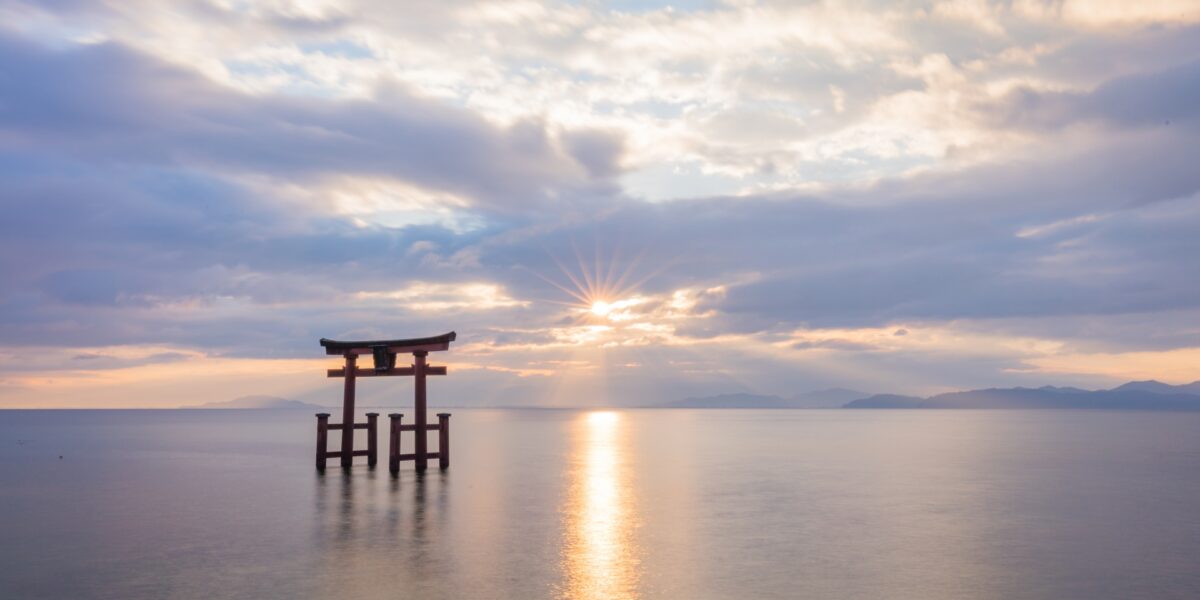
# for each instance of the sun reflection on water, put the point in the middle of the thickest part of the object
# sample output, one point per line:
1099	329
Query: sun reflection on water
600	554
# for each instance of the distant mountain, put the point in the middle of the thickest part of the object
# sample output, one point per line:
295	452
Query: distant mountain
729	401
830	398
1135	395
1065	390
261	402
1123	397
1158	387
888	401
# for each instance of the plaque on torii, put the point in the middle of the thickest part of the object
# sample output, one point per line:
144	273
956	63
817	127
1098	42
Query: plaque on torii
383	354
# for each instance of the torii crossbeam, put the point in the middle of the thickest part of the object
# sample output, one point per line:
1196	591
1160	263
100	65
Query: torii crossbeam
384	354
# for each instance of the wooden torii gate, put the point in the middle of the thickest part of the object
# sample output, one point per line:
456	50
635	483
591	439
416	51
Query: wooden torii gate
384	354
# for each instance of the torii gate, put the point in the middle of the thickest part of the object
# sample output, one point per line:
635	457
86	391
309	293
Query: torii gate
384	352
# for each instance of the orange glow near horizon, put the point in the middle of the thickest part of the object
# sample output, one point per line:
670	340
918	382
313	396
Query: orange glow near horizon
600	554
193	378
1176	366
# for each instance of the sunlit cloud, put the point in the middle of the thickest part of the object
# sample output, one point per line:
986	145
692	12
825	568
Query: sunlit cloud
910	337
1110	13
1048	228
438	297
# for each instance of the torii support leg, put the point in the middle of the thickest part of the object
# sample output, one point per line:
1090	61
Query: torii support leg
443	441
372	444
394	443
322	437
421	442
348	413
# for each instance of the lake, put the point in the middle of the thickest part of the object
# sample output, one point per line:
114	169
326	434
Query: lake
607	504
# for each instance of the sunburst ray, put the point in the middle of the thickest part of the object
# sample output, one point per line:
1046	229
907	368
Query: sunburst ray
599	284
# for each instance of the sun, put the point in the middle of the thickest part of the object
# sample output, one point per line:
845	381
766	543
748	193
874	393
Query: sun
603	289
600	308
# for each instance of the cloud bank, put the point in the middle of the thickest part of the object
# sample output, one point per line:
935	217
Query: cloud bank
762	196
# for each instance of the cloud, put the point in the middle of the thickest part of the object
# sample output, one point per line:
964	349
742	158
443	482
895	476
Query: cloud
107	104
235	187
1141	99
420	296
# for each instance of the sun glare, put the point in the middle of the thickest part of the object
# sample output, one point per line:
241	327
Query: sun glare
601	288
601	308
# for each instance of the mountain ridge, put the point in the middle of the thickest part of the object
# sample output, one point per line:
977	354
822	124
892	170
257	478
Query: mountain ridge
824	398
258	402
1135	395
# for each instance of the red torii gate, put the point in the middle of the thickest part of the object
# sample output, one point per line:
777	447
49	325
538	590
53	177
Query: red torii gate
384	353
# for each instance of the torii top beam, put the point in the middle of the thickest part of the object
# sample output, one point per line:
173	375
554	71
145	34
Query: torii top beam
427	344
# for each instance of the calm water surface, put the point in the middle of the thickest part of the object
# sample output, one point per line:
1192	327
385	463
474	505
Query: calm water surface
625	504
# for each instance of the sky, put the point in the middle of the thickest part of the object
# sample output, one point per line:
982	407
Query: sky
612	203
